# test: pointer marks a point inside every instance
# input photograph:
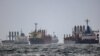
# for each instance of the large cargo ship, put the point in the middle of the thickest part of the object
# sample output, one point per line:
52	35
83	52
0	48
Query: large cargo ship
41	37
83	34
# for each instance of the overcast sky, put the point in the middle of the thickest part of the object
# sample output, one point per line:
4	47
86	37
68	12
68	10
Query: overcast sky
57	16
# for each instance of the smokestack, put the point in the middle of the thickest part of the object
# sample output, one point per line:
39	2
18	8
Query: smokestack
77	29
80	28
74	28
83	28
9	35
12	35
17	33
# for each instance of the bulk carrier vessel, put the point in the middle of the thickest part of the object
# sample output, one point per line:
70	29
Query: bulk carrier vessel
83	34
41	37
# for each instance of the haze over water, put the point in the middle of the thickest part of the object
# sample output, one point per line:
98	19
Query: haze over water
57	16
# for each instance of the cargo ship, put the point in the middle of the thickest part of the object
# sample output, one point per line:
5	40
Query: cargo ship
82	35
41	37
16	37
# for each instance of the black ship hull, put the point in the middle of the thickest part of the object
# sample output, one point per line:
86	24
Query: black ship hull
88	41
36	41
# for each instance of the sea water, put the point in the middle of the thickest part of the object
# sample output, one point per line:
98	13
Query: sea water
50	50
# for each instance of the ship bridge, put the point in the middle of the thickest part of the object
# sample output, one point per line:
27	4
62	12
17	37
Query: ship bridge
88	30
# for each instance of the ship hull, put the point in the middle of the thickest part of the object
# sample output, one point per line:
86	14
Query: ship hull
88	41
36	41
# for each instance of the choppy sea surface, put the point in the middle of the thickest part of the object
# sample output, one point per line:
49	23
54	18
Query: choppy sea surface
50	50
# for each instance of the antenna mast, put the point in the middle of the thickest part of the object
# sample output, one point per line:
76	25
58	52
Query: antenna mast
36	27
87	21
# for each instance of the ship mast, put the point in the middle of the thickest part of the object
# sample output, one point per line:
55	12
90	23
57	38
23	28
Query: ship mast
87	21
35	27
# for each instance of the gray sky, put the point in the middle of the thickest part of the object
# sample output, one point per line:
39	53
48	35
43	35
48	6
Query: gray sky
57	16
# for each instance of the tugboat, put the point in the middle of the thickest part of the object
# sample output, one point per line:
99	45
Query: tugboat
41	37
83	35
